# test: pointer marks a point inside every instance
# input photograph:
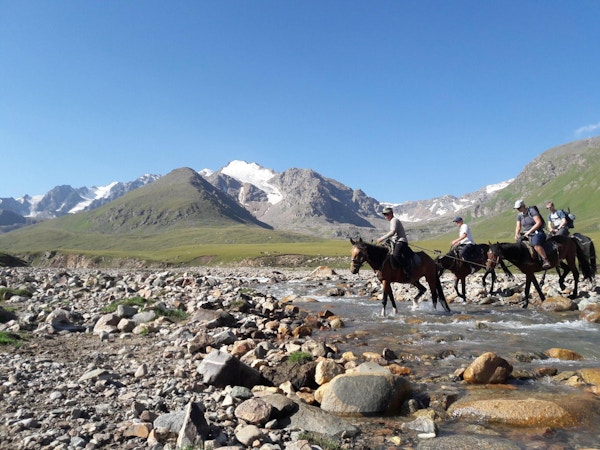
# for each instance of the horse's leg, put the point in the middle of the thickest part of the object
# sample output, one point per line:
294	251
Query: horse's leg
456	280
531	279
422	290
440	294
573	267
386	291
493	272
464	289
391	296
562	275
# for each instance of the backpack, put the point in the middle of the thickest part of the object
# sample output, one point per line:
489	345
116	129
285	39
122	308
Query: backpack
541	217
570	217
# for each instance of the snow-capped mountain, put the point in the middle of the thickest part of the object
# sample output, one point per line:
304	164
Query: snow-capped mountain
296	200
65	199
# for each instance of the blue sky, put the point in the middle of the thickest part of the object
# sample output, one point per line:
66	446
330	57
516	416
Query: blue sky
406	100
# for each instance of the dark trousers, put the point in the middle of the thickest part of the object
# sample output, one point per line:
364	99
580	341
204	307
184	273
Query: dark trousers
402	253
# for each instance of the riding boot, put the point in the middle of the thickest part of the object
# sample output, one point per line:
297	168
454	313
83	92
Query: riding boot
546	265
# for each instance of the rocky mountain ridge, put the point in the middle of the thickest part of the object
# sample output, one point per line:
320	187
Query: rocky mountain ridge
299	200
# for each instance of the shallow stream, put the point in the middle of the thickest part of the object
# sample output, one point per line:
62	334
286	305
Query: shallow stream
434	343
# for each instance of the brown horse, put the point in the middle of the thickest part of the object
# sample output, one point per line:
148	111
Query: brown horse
461	269
558	248
377	257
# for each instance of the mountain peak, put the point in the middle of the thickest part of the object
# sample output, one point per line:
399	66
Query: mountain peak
252	173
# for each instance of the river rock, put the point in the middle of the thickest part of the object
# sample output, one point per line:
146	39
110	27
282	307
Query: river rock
558	304
254	411
530	412
591	375
316	420
488	369
326	370
591	313
468	442
364	393
221	369
563	354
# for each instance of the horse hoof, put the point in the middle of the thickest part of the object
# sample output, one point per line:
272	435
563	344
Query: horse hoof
382	312
394	312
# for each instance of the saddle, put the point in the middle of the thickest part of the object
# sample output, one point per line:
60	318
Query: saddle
414	261
550	246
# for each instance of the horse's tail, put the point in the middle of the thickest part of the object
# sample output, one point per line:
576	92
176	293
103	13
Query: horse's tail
586	255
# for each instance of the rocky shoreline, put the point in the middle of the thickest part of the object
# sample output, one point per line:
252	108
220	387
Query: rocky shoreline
195	358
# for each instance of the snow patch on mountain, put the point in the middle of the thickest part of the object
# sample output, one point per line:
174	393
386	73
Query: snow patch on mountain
498	186
93	193
254	174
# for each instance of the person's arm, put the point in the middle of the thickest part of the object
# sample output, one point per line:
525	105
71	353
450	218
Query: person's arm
538	225
460	238
389	234
550	224
517	230
563	222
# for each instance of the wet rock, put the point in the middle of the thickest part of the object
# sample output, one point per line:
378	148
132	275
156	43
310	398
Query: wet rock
529	412
488	368
365	393
591	313
591	375
558	304
563	354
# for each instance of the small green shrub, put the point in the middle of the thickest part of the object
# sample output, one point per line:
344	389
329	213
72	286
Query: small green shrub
9	338
6	293
133	301
300	357
175	314
326	443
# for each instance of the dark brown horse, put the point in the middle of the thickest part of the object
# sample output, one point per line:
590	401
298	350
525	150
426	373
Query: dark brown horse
558	248
462	269
377	257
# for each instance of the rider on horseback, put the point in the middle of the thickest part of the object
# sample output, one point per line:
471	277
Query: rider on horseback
530	221
401	253
464	243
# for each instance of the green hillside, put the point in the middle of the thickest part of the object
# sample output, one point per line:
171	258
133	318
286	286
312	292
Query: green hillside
183	220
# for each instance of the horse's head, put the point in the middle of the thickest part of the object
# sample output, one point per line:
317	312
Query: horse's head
494	254
358	255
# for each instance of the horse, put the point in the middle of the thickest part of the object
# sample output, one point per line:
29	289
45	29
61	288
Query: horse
586	255
461	269
378	258
558	248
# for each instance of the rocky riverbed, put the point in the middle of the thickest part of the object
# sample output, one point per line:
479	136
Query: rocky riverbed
199	358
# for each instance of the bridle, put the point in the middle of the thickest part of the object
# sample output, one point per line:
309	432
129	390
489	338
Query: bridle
357	262
492	259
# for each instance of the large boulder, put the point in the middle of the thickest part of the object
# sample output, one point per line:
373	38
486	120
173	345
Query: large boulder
365	392
529	412
221	369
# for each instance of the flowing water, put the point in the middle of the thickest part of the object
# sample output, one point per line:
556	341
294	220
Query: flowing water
453	340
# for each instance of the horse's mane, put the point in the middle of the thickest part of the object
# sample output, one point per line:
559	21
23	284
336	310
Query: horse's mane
378	251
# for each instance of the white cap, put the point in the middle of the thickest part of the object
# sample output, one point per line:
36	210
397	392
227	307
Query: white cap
518	204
